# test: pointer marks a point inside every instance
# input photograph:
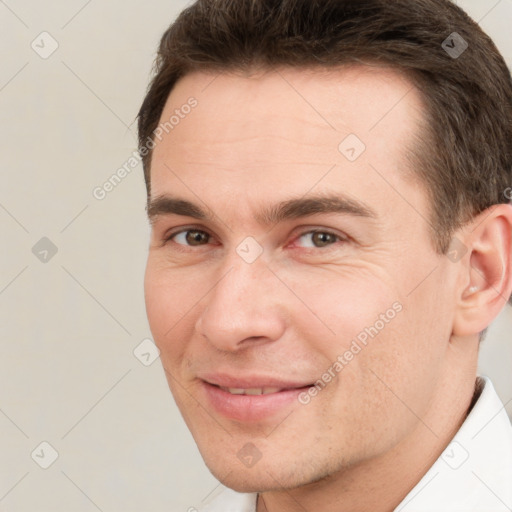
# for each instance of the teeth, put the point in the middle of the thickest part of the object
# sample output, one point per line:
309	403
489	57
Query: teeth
235	391
251	391
254	391
267	391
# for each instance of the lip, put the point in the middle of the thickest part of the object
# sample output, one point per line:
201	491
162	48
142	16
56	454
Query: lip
250	408
250	381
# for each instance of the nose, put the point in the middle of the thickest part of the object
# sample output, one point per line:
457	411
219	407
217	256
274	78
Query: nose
245	307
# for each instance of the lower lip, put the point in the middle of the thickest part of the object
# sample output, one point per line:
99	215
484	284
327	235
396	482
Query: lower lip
250	408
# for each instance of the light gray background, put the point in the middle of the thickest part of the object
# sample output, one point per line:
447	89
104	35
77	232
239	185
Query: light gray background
69	326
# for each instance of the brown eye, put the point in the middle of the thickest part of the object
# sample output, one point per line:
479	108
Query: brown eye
194	237
321	239
189	237
318	239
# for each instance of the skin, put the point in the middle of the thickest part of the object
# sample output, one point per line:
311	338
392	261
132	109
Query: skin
255	140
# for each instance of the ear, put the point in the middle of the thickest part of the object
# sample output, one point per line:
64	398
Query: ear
486	283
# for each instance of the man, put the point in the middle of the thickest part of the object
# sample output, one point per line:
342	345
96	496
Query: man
329	192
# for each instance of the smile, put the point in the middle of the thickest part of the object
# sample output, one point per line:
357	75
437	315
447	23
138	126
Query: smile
250	400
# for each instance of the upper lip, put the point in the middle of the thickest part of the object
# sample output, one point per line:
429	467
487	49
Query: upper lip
251	381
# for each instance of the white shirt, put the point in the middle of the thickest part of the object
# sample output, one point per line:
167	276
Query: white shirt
473	474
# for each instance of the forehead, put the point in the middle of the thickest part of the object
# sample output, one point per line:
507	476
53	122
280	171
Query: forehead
286	128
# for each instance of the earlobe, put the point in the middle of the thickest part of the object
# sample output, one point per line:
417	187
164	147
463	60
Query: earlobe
488	269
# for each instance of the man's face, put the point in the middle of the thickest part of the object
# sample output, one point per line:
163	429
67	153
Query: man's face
253	297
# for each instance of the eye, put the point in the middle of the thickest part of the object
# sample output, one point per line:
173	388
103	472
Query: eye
317	239
190	237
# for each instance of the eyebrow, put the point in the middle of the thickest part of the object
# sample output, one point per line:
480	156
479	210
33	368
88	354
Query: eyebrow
285	210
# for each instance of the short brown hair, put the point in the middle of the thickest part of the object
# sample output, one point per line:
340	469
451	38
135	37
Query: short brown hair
465	155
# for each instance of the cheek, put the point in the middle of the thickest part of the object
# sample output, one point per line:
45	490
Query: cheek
395	375
159	304
340	305
367	333
169	304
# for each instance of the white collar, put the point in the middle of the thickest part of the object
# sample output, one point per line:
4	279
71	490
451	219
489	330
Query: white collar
474	473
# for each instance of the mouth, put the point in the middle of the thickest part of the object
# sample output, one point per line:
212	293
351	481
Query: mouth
250	399
251	391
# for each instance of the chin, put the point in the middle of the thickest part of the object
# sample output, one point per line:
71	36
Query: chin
247	481
262	477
